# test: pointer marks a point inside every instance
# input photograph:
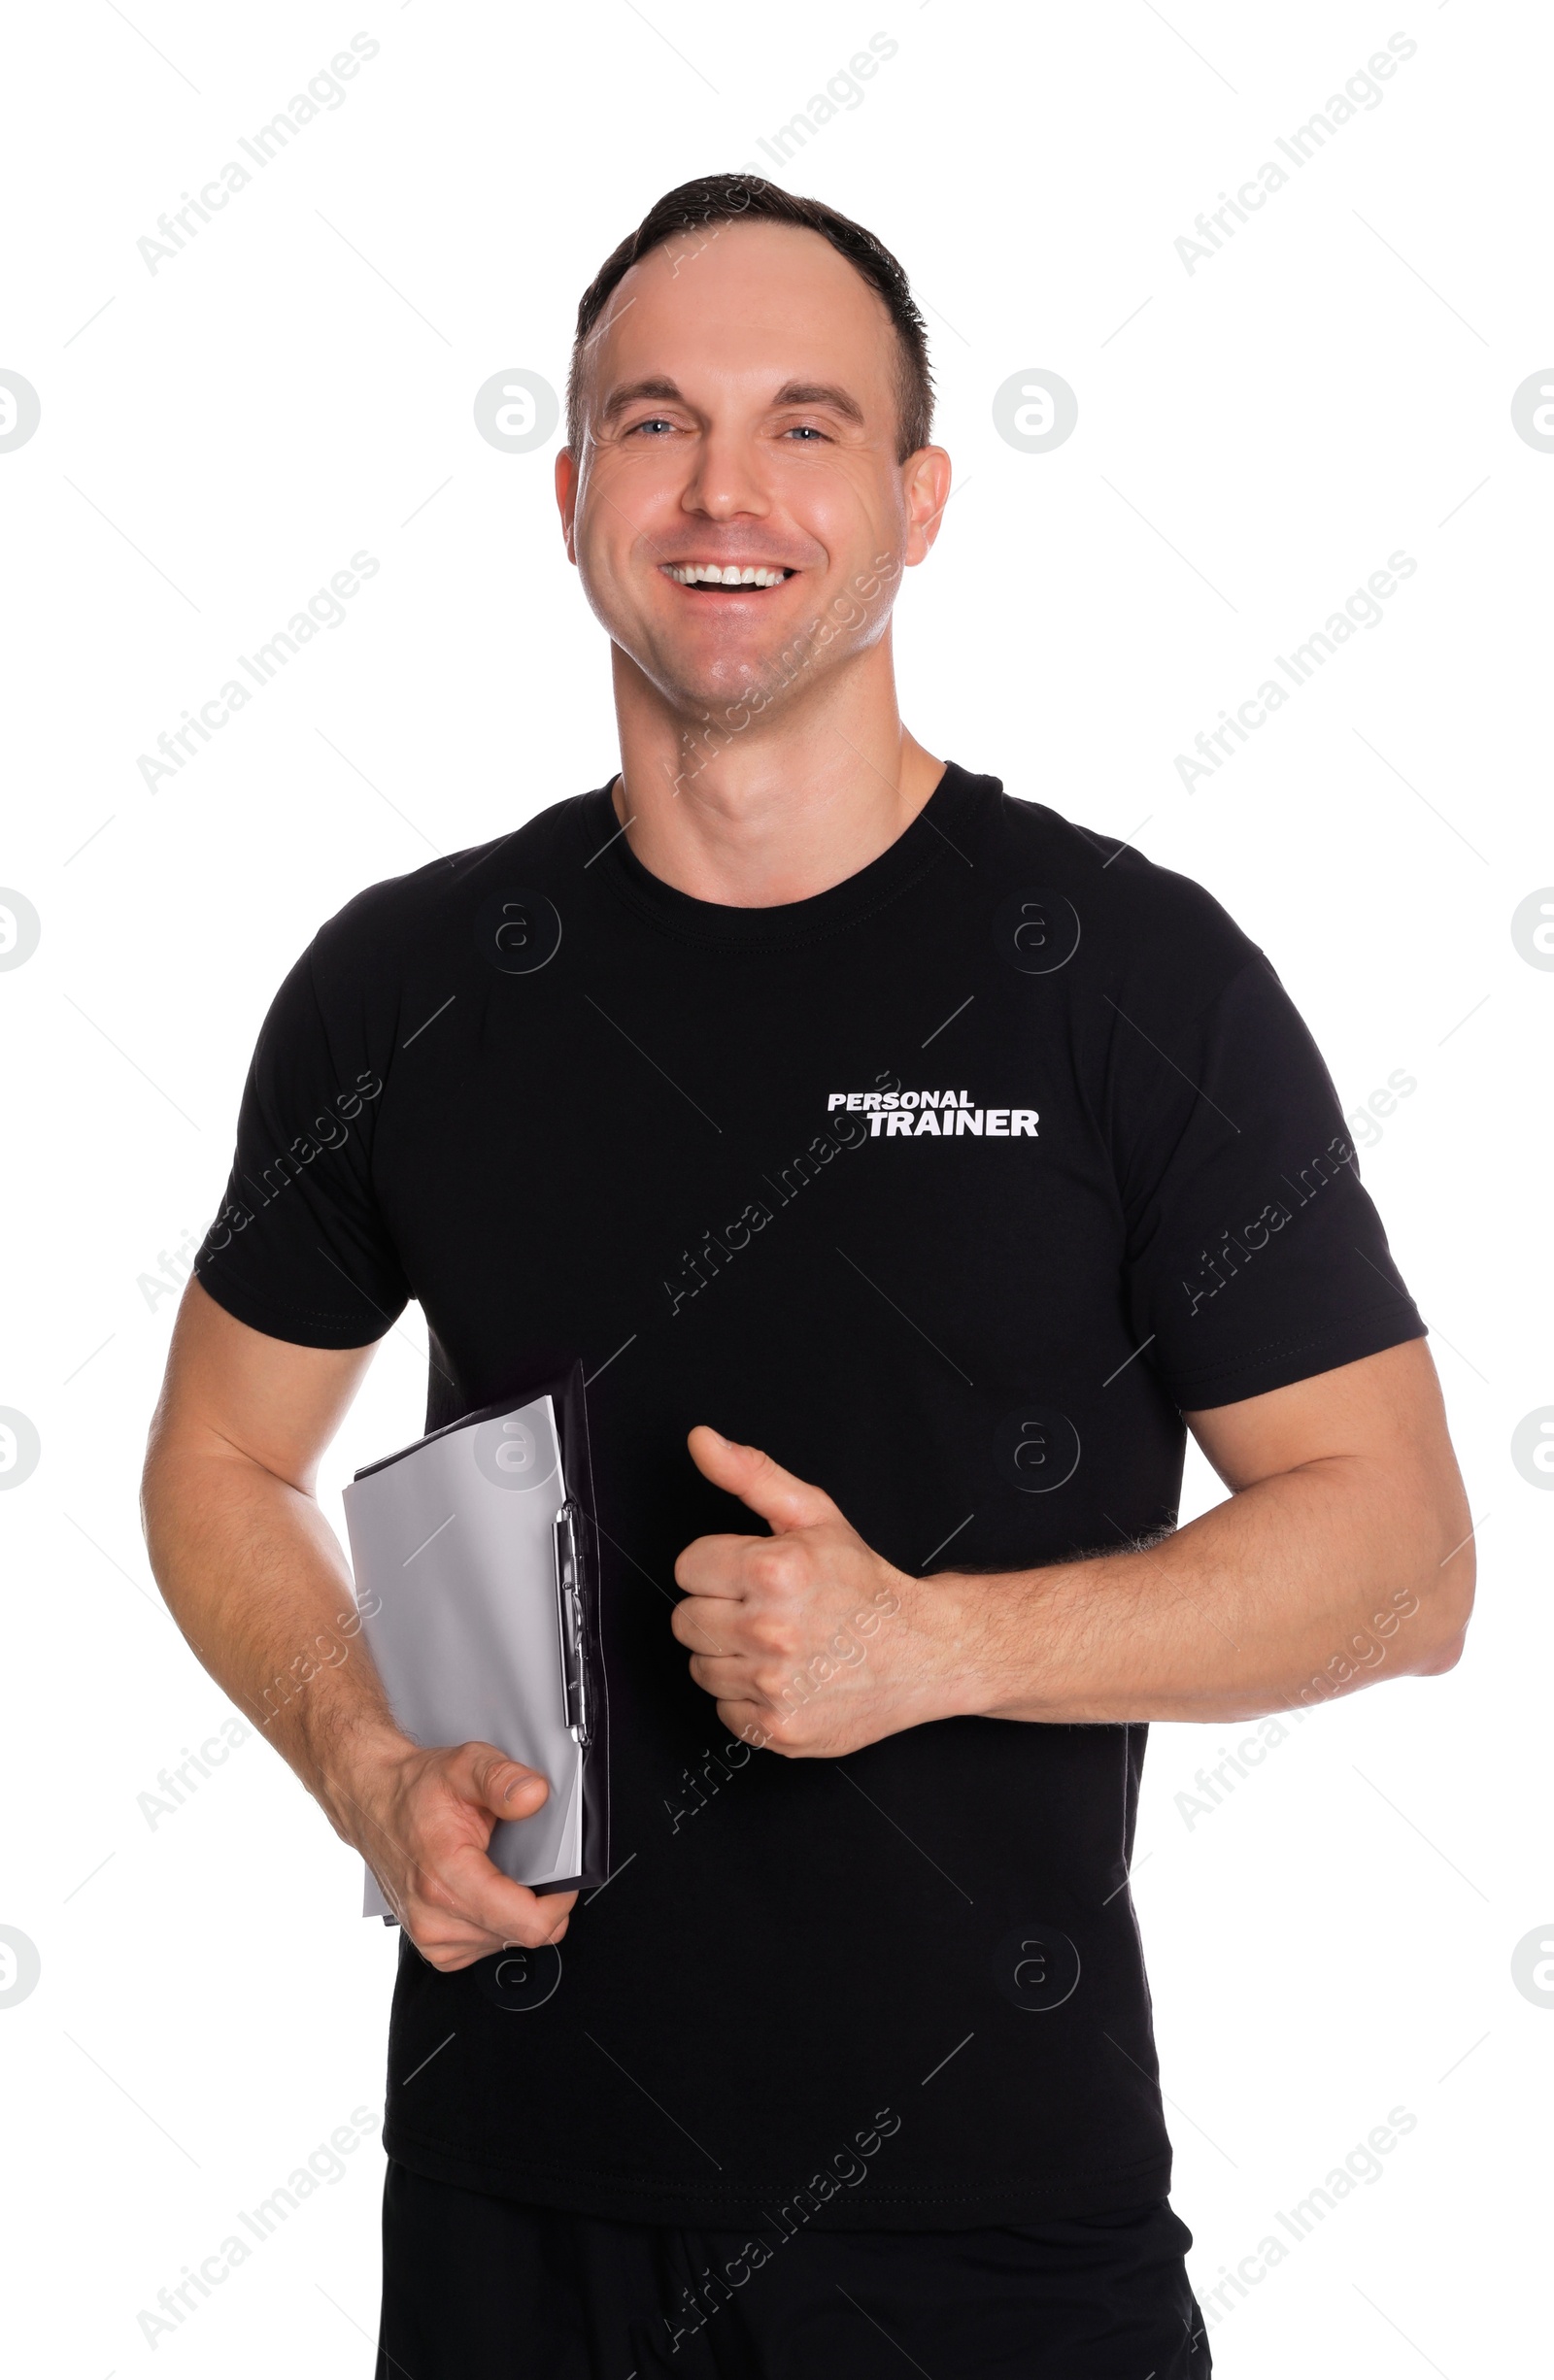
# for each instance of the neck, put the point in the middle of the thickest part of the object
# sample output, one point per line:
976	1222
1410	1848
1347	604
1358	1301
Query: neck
781	809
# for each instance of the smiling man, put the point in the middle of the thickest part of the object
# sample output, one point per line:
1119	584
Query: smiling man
911	1169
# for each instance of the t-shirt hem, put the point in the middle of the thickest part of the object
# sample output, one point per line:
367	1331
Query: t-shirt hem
1282	1363
301	1328
641	2198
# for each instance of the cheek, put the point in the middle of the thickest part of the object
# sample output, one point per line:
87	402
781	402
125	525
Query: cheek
617	524
850	504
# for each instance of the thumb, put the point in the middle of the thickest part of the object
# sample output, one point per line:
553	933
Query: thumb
499	1784
781	1499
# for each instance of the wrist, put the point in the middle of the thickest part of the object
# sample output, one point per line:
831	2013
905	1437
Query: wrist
982	1628
945	1619
348	1775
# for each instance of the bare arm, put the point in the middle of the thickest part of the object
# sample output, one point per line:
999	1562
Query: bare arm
1343	1554
257	1582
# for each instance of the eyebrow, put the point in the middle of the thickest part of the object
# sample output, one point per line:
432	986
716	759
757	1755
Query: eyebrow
795	393
821	393
633	391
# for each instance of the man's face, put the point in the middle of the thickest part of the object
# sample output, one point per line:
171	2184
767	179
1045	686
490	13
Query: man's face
742	404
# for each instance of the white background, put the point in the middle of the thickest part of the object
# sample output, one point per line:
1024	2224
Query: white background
1254	439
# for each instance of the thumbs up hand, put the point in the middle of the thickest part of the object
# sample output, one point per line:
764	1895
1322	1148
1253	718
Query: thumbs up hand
809	1641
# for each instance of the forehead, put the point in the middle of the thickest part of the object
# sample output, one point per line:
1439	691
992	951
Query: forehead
748	303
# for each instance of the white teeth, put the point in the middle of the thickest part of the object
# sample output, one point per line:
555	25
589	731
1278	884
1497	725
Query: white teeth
714	574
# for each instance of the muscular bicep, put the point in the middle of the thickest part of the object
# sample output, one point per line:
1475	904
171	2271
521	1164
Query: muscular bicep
1377	1428
274	1402
1384	1408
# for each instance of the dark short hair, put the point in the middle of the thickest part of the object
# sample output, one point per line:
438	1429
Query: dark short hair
731	198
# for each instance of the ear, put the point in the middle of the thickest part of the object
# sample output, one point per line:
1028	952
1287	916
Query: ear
566	488
925	490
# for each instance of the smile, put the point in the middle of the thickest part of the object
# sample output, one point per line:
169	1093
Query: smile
727	574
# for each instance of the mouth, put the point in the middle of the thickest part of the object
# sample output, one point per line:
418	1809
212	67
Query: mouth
744	579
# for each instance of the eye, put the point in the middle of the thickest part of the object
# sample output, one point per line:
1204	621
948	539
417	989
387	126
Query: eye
655	422
805	430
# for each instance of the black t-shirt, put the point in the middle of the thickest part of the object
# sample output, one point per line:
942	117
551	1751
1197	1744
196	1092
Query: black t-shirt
951	1186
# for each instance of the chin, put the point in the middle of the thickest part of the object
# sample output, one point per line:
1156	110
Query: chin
698	681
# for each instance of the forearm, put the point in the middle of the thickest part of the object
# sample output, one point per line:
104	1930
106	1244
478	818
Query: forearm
1306	1585
258	1584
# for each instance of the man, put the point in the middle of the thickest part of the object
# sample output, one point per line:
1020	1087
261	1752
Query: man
928	1162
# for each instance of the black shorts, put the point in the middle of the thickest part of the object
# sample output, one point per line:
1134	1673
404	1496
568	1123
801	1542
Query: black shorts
477	2288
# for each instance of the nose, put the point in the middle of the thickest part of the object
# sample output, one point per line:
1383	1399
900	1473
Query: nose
725	481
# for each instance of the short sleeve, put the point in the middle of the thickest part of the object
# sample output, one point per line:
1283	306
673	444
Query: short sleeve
1254	1255
300	1249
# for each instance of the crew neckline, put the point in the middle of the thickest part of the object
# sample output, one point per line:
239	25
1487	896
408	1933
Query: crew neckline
934	835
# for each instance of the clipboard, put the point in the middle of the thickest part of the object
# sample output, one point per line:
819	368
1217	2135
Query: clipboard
474	1555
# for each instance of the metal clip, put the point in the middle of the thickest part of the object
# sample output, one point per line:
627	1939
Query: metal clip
569	1592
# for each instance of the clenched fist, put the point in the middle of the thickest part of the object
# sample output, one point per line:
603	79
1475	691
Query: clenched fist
809	1641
